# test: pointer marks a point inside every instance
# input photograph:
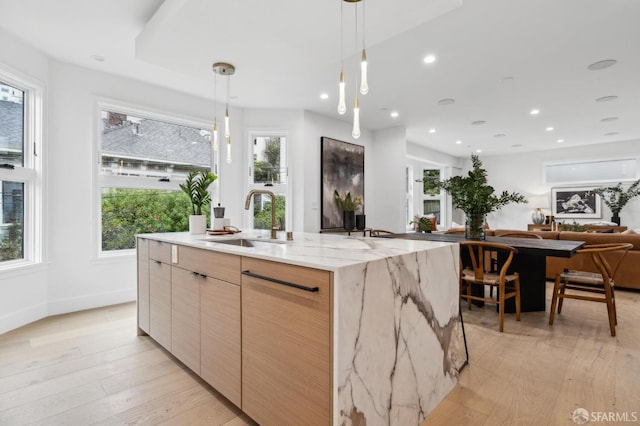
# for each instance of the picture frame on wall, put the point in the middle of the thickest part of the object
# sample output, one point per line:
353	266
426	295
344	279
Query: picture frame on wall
575	203
342	170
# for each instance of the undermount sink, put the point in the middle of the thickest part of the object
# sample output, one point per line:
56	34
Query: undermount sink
243	242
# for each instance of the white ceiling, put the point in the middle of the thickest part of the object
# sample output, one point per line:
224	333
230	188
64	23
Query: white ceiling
497	58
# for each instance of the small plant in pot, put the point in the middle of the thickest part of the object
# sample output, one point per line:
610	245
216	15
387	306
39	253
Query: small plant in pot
348	205
196	186
616	197
475	197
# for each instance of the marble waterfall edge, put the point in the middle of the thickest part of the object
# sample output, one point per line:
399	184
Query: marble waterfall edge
398	337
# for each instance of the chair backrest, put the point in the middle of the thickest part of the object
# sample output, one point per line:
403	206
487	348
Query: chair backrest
455	231
477	249
520	235
597	251
378	232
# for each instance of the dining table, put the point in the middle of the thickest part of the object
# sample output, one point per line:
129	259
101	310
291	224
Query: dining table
529	262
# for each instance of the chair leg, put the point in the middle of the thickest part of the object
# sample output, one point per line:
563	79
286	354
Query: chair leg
610	308
469	295
554	300
561	296
517	285
501	307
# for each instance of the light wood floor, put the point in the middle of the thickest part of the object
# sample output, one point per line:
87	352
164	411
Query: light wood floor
91	368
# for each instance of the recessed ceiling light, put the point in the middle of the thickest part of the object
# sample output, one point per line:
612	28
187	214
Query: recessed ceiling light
478	150
607	98
394	114
612	133
549	129
429	59
609	119
518	145
324	96
596	66
507	79
534	111
98	58
458	142
432	130
560	140
499	135
478	122
446	101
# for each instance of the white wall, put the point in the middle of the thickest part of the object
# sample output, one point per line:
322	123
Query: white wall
524	173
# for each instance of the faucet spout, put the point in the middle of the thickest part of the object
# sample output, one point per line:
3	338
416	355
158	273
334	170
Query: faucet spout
247	204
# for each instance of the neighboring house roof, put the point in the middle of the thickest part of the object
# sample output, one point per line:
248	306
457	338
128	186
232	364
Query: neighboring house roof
11	126
156	141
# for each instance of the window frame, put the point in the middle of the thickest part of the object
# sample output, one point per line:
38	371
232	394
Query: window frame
114	181
441	196
276	188
30	173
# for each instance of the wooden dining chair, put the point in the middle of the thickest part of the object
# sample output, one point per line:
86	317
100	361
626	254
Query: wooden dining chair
520	235
582	284
475	273
378	232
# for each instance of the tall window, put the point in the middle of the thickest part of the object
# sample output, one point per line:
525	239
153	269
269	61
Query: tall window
20	134
143	158
268	171
432	196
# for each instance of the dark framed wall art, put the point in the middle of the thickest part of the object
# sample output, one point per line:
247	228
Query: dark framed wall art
576	203
342	170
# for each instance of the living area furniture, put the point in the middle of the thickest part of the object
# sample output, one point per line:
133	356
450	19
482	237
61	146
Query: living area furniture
530	262
475	274
589	228
344	231
582	285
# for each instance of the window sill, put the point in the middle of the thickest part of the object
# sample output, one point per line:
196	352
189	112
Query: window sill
22	268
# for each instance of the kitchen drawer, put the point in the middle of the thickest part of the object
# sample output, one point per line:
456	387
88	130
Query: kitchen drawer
160	251
222	266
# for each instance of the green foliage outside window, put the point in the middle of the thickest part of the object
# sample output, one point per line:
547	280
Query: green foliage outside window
11	247
262	218
127	212
431	182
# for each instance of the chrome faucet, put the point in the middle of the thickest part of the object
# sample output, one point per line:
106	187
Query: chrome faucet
247	203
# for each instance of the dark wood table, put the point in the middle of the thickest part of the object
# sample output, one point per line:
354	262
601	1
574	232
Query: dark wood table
530	262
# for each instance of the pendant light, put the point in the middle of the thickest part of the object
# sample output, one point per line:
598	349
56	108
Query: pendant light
364	85
342	106
356	106
215	112
227	70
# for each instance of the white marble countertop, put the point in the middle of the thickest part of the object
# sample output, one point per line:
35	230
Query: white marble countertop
322	251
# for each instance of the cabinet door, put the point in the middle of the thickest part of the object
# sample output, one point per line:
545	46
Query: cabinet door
143	284
160	303
286	344
220	337
185	317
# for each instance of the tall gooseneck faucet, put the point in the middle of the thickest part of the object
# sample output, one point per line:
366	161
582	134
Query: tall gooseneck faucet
247	203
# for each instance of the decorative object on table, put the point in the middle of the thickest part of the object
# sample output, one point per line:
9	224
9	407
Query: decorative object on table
574	227
342	169
616	197
548	219
348	205
218	212
196	186
360	222
537	216
422	224
475	197
575	203
539	202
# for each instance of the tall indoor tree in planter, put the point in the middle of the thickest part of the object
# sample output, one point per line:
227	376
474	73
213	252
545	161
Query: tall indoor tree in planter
196	186
475	197
616	197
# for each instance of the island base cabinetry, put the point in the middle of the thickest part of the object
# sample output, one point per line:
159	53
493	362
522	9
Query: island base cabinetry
286	343
160	293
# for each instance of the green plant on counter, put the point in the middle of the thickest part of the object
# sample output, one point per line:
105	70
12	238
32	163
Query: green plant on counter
196	186
575	227
347	203
421	223
616	197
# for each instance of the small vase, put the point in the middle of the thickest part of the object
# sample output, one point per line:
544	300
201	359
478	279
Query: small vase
348	220
537	217
360	222
474	227
197	224
616	219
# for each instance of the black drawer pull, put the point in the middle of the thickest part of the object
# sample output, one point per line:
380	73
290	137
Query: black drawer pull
277	281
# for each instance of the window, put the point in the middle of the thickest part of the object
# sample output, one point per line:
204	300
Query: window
143	157
20	136
432	196
268	171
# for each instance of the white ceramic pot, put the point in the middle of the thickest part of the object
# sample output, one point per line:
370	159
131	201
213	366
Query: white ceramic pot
197	224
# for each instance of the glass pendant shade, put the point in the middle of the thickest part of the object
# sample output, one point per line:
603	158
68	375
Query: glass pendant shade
364	86
227	133
342	106
215	136
356	120
228	150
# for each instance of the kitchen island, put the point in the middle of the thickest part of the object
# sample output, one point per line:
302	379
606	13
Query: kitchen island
324	329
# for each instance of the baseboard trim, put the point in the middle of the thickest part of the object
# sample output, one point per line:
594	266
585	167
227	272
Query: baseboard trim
90	301
20	318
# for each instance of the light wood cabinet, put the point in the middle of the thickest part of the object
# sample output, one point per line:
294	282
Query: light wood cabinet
185	317
286	343
160	302
220	337
142	246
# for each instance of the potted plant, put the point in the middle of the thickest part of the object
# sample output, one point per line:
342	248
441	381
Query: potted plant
422	224
348	205
196	186
475	197
615	197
